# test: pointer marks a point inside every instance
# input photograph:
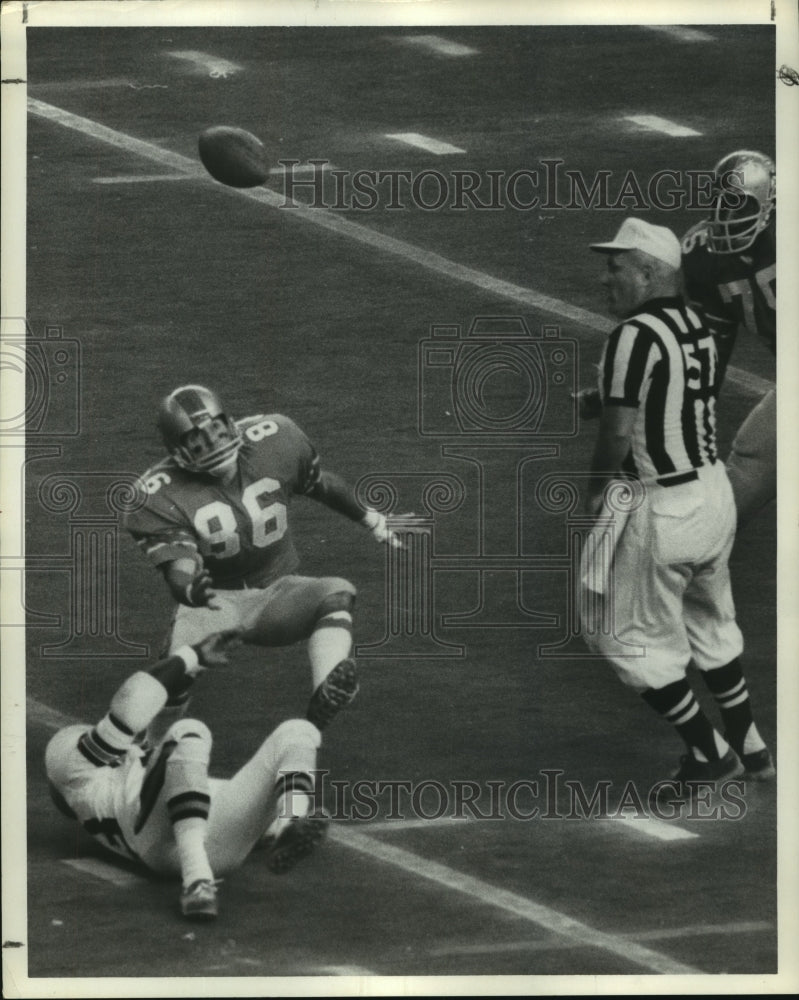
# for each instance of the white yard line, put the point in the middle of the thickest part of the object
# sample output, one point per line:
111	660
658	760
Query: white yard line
302	169
680	32
556	944
649	826
103	870
433	262
341	970
646	826
392	825
140	178
426	142
214	66
437	44
578	933
67	85
654	123
700	930
45	716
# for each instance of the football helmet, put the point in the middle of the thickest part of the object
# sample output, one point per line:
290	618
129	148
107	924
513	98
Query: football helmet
744	189
198	433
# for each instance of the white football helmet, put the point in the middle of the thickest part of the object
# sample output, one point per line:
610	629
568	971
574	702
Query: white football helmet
745	197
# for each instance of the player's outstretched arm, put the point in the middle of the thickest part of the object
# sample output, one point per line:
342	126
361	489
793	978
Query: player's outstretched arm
334	492
187	662
143	695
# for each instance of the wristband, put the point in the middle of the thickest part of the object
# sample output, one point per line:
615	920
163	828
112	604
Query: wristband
371	519
191	660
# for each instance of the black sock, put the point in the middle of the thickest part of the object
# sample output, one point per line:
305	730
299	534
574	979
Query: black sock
728	687
678	705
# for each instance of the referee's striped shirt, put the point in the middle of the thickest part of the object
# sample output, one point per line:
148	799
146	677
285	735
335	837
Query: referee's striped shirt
663	361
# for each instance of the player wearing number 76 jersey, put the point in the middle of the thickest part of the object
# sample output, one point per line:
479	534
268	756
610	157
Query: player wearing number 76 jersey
730	266
214	520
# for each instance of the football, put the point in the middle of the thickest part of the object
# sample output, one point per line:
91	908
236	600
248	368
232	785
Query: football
233	156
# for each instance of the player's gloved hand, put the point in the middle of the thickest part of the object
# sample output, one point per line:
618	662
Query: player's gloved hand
199	592
377	524
213	650
589	403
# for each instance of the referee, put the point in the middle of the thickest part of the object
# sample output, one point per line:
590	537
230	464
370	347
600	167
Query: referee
658	385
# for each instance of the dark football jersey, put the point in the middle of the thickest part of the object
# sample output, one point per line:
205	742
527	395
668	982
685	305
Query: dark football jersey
733	290
240	529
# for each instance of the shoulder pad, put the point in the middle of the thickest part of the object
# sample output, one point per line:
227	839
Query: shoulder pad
163	465
246	422
273	421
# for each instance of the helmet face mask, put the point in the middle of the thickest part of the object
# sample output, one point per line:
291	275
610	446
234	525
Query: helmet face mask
744	201
197	432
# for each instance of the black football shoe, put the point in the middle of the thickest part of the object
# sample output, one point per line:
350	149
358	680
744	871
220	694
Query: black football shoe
694	775
295	841
335	692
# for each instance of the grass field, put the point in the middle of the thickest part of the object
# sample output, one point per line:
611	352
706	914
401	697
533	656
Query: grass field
165	277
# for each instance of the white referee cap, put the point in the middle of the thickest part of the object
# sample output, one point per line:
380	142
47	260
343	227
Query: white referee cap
635	234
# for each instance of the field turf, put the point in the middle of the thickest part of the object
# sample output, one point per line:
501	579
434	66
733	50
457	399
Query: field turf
164	277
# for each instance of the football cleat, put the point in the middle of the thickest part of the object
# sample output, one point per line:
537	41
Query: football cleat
335	692
197	432
198	901
693	775
295	841
758	765
745	196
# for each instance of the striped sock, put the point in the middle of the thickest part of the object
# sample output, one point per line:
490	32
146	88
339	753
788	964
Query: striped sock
188	800
190	840
294	790
678	705
728	687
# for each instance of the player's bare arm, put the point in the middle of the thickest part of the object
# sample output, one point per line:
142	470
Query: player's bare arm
612	447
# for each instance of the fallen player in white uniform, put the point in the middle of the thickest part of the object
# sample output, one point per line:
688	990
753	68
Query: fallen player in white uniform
138	783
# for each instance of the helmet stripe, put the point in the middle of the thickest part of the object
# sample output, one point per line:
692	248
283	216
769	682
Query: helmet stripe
192	402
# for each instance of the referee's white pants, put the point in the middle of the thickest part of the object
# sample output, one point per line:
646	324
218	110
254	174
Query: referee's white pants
670	600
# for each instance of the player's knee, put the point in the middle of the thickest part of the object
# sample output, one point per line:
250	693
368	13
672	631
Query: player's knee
340	597
296	732
192	738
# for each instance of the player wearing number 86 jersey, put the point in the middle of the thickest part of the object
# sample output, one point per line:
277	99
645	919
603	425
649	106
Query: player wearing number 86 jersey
215	521
239	528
